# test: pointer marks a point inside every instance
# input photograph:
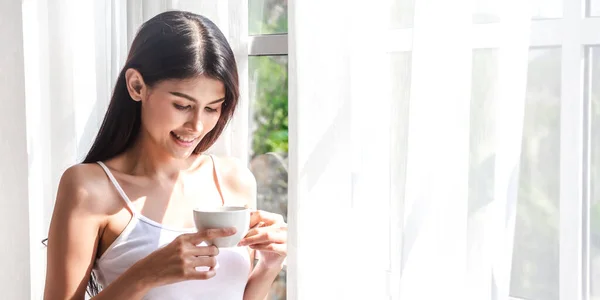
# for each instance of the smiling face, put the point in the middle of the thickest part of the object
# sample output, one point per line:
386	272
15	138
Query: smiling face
177	114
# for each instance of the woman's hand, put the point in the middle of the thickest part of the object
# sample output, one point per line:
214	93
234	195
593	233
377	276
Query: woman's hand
268	236
178	260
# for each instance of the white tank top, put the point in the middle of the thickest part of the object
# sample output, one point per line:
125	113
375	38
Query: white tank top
142	236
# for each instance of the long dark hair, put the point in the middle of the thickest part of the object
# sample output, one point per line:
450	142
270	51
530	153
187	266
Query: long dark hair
171	45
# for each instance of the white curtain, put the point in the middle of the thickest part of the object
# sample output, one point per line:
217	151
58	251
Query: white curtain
404	153
73	52
14	208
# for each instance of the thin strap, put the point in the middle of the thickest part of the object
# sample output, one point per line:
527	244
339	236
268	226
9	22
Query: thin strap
216	175
118	187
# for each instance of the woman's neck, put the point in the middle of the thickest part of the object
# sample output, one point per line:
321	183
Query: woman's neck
146	159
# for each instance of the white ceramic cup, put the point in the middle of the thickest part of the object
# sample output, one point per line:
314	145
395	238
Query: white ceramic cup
224	217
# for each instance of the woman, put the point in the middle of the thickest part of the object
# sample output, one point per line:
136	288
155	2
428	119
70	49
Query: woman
123	218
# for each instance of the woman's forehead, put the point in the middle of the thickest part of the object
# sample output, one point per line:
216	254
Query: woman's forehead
201	88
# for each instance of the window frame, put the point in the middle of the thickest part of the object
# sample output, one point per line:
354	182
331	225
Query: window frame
268	45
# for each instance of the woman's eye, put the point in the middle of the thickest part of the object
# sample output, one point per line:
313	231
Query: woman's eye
181	107
210	110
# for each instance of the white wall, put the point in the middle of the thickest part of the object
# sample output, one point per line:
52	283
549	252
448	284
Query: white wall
14	205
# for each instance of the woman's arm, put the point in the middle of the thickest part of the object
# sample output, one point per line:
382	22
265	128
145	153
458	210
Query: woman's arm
75	229
242	186
270	241
260	281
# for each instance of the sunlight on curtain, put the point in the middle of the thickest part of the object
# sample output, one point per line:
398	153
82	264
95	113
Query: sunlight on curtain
340	152
424	144
464	145
67	62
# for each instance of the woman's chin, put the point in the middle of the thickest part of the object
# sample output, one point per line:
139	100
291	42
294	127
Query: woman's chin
181	154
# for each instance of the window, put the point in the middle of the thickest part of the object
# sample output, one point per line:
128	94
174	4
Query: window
268	87
487	11
535	257
535	265
555	248
267	17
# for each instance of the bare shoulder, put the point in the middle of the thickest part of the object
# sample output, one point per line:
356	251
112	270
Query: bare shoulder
81	187
238	180
80	213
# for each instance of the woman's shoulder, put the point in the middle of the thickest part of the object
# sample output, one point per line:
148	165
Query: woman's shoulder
85	186
83	176
237	178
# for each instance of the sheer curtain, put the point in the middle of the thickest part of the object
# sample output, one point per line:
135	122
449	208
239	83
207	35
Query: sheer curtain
73	52
14	226
405	143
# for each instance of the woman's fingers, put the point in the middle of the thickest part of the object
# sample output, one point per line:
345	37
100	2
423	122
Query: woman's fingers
204	251
265	217
204	261
202	267
208	234
261	229
265	235
201	275
270	247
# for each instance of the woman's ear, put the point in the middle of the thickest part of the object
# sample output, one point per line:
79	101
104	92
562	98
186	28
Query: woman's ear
135	84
